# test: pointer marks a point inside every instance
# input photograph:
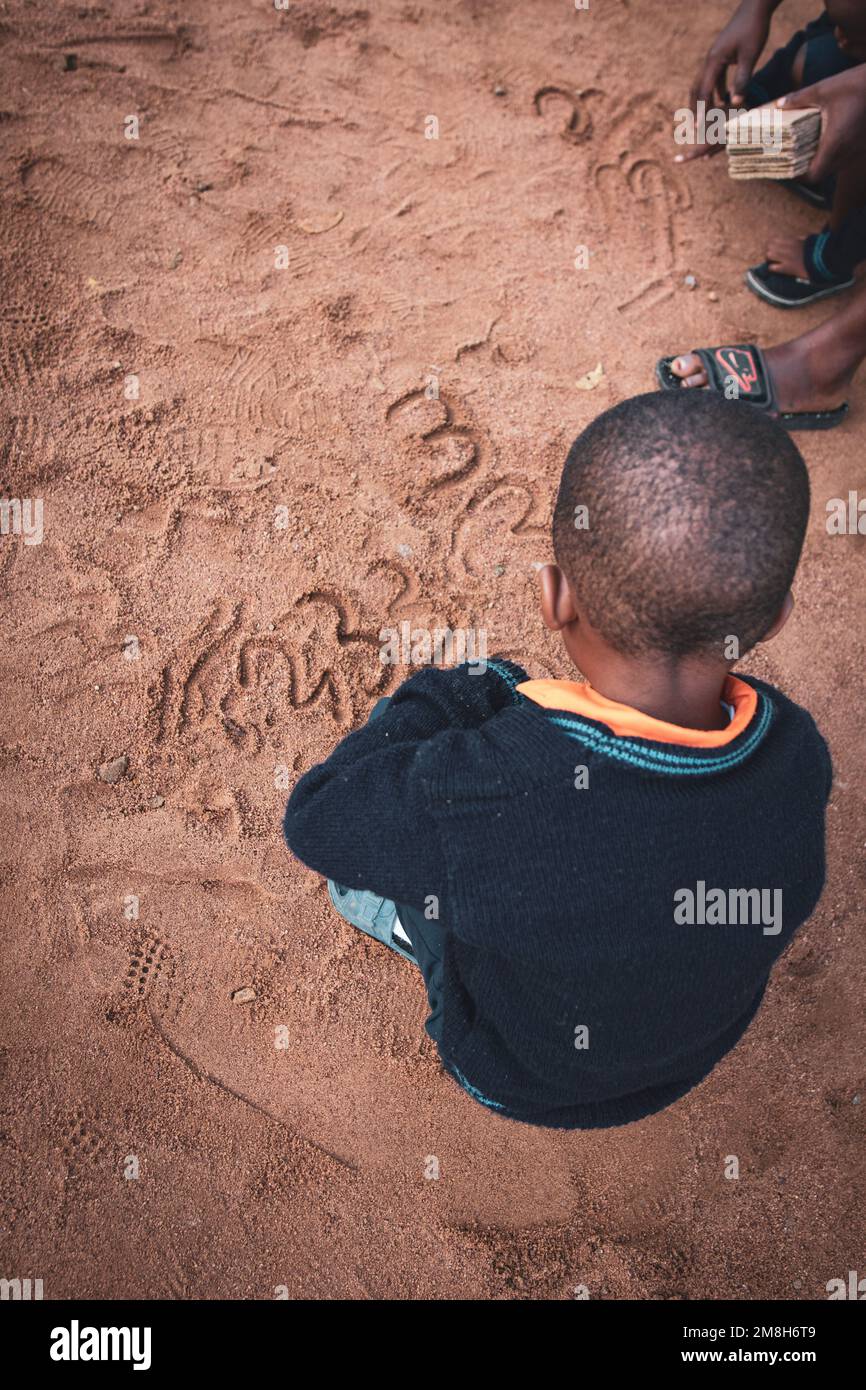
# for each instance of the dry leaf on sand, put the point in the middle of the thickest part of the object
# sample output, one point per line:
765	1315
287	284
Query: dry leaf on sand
591	380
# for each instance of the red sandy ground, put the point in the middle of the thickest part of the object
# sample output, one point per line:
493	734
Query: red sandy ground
301	387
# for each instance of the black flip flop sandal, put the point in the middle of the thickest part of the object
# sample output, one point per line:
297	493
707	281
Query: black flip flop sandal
794	292
788	291
740	372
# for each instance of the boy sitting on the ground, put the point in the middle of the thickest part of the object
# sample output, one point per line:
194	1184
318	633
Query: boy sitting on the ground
595	879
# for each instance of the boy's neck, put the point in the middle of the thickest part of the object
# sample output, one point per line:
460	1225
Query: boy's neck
686	693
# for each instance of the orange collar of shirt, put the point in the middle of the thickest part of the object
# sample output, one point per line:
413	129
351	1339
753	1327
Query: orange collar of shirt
577	698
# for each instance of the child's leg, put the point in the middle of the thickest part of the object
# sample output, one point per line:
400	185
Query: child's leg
412	934
812	371
841	246
849	201
797	265
426	939
799	270
810	56
375	916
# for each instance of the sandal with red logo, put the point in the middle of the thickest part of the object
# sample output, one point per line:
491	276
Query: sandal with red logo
740	372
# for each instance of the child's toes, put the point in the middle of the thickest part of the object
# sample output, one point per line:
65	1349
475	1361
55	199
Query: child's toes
691	369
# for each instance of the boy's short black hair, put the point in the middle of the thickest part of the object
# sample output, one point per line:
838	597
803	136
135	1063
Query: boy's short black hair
696	509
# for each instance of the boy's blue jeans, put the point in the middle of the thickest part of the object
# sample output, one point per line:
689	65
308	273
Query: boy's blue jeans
426	938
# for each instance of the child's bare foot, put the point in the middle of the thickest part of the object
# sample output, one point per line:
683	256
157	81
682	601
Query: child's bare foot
803	379
785	256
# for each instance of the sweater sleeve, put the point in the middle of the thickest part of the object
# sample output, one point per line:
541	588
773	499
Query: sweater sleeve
362	817
828	768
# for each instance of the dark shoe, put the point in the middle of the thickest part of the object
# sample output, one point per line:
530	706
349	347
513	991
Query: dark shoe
789	292
792	291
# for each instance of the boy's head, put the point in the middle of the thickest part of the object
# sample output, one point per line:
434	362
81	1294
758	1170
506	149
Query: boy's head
678	525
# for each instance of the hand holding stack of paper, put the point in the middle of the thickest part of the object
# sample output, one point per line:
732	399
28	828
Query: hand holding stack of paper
772	143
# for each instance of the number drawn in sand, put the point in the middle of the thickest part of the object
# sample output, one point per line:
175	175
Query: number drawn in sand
571	109
243	684
631	174
634	168
507	507
394	590
447	452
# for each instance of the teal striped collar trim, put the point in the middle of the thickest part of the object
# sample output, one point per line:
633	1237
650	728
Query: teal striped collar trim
650	757
511	673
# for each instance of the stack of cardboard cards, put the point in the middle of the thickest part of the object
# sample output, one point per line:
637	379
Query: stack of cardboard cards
772	143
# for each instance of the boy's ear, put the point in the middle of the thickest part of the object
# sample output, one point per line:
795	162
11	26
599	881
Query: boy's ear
783	615
558	608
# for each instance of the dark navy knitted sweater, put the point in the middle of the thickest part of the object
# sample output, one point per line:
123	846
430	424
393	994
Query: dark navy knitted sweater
557	902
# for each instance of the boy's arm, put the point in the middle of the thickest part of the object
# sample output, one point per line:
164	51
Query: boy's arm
362	817
842	100
739	45
435	699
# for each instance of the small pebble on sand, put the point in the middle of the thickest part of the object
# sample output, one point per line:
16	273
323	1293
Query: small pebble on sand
155	802
114	769
713	297
690	282
243	996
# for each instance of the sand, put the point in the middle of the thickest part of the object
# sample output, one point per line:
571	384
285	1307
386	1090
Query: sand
178	999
